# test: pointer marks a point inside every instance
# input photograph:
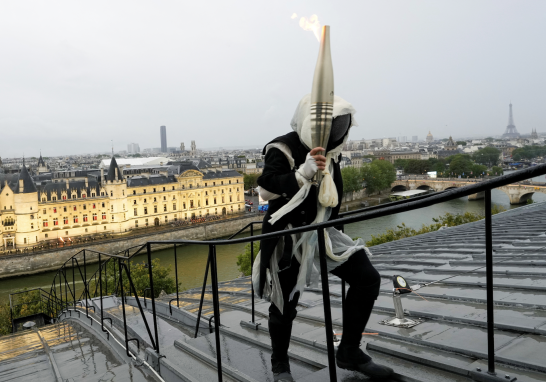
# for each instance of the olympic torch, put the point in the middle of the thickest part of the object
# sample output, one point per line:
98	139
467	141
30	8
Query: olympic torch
322	96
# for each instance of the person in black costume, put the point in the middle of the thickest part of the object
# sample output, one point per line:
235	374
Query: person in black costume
290	164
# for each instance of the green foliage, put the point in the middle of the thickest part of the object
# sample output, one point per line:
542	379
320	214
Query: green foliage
378	175
27	304
417	166
5	323
141	279
528	152
487	156
243	260
460	164
530	201
250	180
477	170
352	179
448	219
496	170
462	143
401	163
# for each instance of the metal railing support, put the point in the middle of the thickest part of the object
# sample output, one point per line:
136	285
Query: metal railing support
326	303
86	286
216	306
176	279
73	282
251	266
149	250
203	292
123	310
100	292
489	281
132	288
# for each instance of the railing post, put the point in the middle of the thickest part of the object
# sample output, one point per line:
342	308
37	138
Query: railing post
176	277
489	280
149	249
11	315
73	283
85	285
326	302
203	292
100	294
216	307
252	266
123	309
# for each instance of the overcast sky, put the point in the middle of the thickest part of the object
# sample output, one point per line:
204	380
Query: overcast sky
77	74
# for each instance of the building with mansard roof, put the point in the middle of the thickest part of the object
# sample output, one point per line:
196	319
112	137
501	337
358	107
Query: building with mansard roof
68	204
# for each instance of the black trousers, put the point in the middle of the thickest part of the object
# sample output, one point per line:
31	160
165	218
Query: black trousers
364	282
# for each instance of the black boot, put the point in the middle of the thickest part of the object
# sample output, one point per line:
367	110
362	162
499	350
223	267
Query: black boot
281	370
354	359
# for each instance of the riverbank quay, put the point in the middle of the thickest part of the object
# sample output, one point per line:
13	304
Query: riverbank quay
27	263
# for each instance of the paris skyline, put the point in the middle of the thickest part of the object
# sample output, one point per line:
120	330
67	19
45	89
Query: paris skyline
81	76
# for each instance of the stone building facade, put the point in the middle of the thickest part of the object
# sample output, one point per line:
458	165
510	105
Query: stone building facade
35	211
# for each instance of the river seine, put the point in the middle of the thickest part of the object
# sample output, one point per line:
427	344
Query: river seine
192	258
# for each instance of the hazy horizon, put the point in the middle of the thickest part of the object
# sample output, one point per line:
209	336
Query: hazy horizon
78	75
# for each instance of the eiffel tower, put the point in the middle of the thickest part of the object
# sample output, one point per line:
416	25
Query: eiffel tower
511	131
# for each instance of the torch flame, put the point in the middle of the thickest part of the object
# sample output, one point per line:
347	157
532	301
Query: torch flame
311	24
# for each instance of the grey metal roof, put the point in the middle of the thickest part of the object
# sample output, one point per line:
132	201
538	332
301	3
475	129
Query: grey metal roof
28	184
221	174
112	171
138	181
77	186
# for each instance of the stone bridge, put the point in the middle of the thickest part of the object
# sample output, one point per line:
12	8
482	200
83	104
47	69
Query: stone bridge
518	193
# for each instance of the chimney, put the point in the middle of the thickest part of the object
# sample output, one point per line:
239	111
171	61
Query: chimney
116	173
86	183
102	175
67	184
21	185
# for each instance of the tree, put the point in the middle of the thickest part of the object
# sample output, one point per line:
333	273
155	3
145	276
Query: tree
462	143
25	304
495	170
140	276
528	152
460	165
352	179
250	180
477	170
243	260
400	163
488	156
378	176
416	166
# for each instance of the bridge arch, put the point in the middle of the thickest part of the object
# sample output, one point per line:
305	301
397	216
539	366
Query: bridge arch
450	188
425	187
398	188
524	198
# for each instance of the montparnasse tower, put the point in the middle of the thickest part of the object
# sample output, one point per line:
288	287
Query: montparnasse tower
511	131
